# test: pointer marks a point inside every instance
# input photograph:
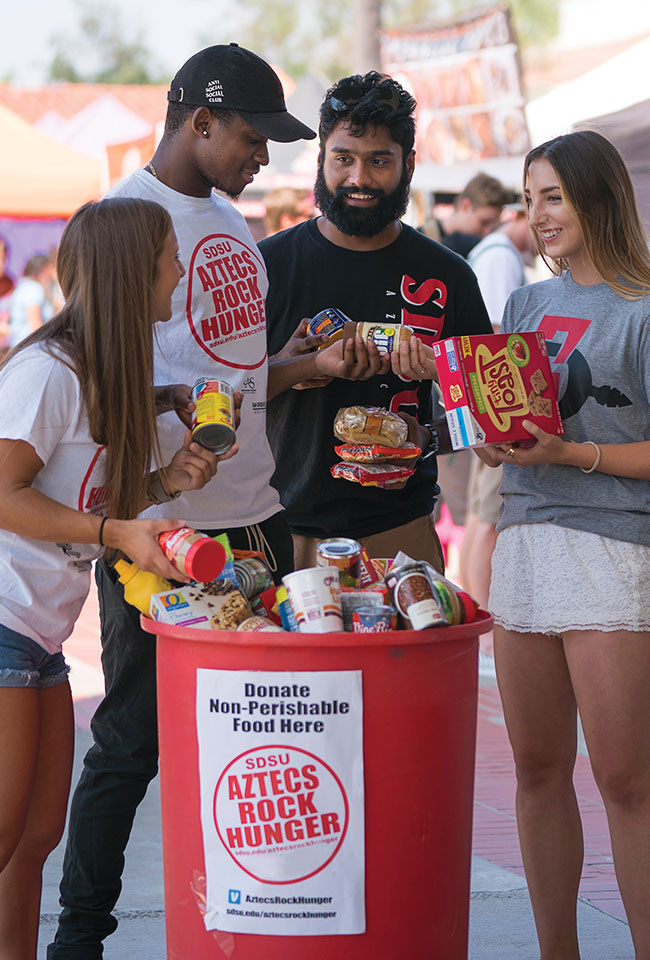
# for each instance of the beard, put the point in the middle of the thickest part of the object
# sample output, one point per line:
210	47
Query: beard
361	223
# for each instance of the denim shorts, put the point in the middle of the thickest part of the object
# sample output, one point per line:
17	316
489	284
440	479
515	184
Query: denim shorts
24	663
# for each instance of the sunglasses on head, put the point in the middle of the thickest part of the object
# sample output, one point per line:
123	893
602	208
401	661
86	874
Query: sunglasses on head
349	95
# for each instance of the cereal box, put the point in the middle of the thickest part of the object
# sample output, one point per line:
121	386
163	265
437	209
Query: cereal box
490	384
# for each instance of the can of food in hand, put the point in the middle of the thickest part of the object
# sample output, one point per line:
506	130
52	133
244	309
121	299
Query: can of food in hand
329	322
386	336
374	619
415	597
344	554
213	420
253	576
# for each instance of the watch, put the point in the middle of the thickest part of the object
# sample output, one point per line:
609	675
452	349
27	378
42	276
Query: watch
157	493
434	443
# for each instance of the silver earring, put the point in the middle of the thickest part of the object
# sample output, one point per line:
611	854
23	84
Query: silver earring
205	133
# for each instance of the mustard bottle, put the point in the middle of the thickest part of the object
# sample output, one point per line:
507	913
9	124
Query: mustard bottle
139	585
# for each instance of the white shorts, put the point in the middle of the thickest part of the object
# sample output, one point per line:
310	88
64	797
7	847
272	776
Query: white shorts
550	579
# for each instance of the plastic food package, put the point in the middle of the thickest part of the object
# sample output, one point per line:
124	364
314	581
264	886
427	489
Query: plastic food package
376	452
357	425
371	474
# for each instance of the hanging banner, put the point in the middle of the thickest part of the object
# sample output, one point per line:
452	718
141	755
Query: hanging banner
282	802
466	77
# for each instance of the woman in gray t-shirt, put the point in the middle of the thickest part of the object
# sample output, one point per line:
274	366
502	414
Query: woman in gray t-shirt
572	563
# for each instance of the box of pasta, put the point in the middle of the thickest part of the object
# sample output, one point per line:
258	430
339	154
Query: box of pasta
490	384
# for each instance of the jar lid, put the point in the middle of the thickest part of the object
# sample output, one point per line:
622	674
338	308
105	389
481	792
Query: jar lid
205	559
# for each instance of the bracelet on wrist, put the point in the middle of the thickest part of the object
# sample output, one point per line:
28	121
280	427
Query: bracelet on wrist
157	493
101	532
596	461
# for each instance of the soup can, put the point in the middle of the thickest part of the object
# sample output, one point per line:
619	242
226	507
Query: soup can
344	554
415	596
213	421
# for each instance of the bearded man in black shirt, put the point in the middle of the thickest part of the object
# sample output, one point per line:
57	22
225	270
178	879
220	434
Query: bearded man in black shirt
359	257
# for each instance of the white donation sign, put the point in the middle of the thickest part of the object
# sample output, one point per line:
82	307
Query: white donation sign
281	772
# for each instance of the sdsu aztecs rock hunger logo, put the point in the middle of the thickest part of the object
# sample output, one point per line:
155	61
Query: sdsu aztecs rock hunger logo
93	494
228	301
281	813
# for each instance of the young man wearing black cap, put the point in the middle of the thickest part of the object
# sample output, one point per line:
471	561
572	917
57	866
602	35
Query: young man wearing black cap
224	104
360	257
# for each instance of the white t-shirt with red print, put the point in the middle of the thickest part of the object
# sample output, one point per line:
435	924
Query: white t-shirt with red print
217	330
43	585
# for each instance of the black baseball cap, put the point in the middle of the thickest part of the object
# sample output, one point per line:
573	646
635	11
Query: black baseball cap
229	76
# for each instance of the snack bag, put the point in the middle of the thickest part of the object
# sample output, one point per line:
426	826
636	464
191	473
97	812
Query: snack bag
357	425
376	452
371	474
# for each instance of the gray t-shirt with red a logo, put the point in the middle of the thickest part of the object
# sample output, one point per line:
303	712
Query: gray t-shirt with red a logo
599	345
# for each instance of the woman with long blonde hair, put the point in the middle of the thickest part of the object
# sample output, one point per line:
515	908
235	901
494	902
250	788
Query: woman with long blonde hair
77	441
571	568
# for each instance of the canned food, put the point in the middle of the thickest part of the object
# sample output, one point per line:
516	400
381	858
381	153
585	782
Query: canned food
253	576
213	421
374	619
260	624
415	597
344	554
330	322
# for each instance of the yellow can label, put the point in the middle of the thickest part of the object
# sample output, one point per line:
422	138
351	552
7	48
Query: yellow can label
214	403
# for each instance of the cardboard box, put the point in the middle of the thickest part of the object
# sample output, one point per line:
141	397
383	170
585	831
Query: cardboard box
217	605
491	383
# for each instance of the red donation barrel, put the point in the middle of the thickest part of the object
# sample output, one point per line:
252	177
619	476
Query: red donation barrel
418	691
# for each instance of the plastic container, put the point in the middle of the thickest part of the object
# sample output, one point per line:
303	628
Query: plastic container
139	585
196	555
419	734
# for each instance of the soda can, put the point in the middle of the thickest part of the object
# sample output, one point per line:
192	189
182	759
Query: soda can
344	554
374	619
213	421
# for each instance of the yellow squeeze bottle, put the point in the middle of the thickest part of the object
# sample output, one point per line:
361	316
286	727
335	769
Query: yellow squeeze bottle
139	585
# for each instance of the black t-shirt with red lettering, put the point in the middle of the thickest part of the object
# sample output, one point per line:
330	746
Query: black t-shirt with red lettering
415	281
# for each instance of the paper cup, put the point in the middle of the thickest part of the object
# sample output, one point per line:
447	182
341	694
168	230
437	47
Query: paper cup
315	595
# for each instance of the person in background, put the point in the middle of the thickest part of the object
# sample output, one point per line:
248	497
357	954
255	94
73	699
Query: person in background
359	257
75	475
499	262
6	281
476	213
571	567
29	306
6	289
286	207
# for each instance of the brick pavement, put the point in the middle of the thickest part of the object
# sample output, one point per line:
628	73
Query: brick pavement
495	829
